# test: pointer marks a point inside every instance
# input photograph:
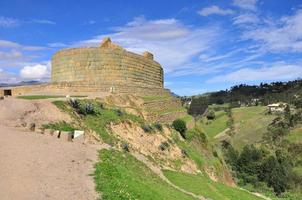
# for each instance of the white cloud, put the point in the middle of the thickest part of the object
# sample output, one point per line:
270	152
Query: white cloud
215	10
172	43
284	34
35	72
6	77
57	45
43	21
11	55
7	22
246	4
14	45
247	18
278	71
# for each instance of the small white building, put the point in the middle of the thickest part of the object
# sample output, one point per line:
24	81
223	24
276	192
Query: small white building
276	107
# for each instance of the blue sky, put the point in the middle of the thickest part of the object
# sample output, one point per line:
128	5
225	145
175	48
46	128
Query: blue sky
203	45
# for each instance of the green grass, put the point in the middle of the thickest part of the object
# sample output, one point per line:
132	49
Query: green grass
98	122
214	127
250	124
61	126
295	135
155	98
120	176
202	185
219	107
35	97
187	118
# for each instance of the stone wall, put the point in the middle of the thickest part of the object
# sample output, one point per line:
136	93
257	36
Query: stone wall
82	89
108	65
108	68
163	104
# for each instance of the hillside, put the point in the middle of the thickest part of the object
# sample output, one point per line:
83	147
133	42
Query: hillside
147	157
261	147
145	153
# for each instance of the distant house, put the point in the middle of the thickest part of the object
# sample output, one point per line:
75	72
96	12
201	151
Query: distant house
276	107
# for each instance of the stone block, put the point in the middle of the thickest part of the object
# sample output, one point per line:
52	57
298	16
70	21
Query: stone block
65	136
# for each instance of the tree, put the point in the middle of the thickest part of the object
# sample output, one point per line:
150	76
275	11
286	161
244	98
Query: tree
180	126
198	106
276	131
211	115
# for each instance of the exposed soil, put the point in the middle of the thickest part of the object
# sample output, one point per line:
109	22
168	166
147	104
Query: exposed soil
40	166
19	112
148	145
35	166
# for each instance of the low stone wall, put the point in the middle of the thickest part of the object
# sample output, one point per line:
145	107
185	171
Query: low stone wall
166	117
156	110
82	89
163	104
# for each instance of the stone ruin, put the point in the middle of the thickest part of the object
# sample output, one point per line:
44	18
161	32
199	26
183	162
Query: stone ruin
107	68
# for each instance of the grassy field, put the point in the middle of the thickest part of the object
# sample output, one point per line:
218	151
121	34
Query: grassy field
202	185
295	135
61	126
120	176
214	127
250	124
35	97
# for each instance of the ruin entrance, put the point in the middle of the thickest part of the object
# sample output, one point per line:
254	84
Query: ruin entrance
7	92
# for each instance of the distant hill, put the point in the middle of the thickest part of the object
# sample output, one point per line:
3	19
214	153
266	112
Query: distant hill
20	83
249	95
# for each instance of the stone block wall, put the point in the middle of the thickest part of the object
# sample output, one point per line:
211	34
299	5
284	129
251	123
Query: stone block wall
113	67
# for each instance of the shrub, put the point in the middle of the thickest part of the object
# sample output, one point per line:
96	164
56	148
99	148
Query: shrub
180	126
164	145
147	128
74	103
158	126
119	112
125	147
89	109
211	115
184	153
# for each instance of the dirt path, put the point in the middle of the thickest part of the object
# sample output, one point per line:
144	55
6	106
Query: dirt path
37	167
14	112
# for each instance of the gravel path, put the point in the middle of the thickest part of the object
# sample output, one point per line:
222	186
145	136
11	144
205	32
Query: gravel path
37	167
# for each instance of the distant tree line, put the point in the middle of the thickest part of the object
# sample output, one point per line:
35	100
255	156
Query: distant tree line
288	92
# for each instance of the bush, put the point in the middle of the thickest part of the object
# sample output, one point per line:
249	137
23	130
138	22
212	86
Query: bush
86	109
211	115
125	147
147	128
158	126
89	109
184	153
119	112
164	145
180	126
74	103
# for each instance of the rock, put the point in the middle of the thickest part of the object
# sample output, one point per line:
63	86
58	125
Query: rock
32	126
48	131
66	136
56	134
78	133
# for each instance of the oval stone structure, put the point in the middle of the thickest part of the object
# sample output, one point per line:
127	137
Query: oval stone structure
94	71
108	65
